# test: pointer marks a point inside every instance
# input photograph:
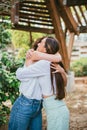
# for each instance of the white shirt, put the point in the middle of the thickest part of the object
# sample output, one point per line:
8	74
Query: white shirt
35	80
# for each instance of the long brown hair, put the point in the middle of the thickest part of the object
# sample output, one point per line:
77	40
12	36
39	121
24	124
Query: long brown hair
60	85
52	47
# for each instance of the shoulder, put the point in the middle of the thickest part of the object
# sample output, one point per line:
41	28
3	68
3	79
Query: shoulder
43	62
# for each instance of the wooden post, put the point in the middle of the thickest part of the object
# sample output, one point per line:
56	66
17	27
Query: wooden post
15	12
30	39
70	45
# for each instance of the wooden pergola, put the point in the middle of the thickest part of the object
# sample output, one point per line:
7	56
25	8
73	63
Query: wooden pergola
52	17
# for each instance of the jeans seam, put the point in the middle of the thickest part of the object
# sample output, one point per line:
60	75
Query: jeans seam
38	109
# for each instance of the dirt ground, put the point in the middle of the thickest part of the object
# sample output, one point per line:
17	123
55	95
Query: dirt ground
77	104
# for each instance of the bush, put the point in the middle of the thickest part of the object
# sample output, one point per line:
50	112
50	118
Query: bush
9	85
79	67
9	90
84	69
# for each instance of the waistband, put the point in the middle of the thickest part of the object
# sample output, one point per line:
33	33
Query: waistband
51	102
28	99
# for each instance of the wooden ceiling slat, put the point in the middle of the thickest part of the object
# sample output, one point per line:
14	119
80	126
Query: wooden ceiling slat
35	18
33	29
82	14
35	7
78	18
35	15
35	11
34	2
35	22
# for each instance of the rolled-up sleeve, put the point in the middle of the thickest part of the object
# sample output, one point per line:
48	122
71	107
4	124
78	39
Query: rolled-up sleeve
37	69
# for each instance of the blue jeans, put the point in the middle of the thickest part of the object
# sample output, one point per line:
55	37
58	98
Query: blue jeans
26	114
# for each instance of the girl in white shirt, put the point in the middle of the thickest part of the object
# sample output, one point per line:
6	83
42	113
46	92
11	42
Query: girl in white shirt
26	111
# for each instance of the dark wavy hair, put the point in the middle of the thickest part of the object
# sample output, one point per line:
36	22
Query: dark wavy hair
35	44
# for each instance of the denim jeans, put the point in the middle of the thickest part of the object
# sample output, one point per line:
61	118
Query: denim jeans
26	114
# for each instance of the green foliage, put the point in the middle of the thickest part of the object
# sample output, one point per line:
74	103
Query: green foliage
5	36
8	65
9	85
20	38
5	5
79	67
21	41
85	70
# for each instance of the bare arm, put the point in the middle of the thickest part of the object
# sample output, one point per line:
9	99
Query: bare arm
36	55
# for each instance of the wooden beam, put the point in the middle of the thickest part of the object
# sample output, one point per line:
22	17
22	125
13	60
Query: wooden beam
58	31
67	16
31	40
83	29
4	14
74	2
33	29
